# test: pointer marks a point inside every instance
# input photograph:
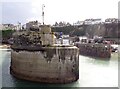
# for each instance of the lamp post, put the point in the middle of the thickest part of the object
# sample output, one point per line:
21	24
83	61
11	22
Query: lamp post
43	13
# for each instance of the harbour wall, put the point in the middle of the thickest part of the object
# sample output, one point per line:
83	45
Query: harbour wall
94	50
49	65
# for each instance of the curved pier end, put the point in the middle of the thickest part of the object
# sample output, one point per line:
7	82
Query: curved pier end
46	64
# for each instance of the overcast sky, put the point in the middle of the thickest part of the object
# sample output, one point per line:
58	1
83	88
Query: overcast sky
71	11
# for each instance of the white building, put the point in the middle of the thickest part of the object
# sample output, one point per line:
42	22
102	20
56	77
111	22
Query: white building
83	39
92	21
111	20
7	26
0	26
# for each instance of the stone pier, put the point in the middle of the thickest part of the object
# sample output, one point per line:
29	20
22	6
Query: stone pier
46	64
95	50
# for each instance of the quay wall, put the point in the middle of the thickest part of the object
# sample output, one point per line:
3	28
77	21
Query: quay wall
94	50
51	65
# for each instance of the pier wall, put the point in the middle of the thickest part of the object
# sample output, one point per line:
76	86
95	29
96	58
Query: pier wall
94	50
51	65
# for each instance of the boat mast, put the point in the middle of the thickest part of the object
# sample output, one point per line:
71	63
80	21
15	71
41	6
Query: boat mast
43	13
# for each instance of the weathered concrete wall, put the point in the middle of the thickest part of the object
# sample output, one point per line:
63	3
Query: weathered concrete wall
94	50
53	65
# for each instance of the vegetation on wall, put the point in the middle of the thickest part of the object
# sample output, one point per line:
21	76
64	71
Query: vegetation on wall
6	35
70	30
111	30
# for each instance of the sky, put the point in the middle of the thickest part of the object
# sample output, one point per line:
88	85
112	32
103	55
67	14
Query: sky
14	11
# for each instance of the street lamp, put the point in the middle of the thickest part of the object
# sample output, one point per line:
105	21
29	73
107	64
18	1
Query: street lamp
43	13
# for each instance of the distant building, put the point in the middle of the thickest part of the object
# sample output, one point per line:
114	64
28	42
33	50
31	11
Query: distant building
92	21
65	36
83	39
7	26
112	20
0	26
88	22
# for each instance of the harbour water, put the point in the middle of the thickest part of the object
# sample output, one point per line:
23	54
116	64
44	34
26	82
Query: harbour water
93	72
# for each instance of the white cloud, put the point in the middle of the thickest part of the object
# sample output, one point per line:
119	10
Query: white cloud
34	11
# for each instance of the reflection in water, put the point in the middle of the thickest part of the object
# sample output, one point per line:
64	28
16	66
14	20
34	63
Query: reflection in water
93	73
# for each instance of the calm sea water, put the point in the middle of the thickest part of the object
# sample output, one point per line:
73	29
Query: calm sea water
93	72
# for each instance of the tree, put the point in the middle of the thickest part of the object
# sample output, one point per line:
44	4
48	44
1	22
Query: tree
56	24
